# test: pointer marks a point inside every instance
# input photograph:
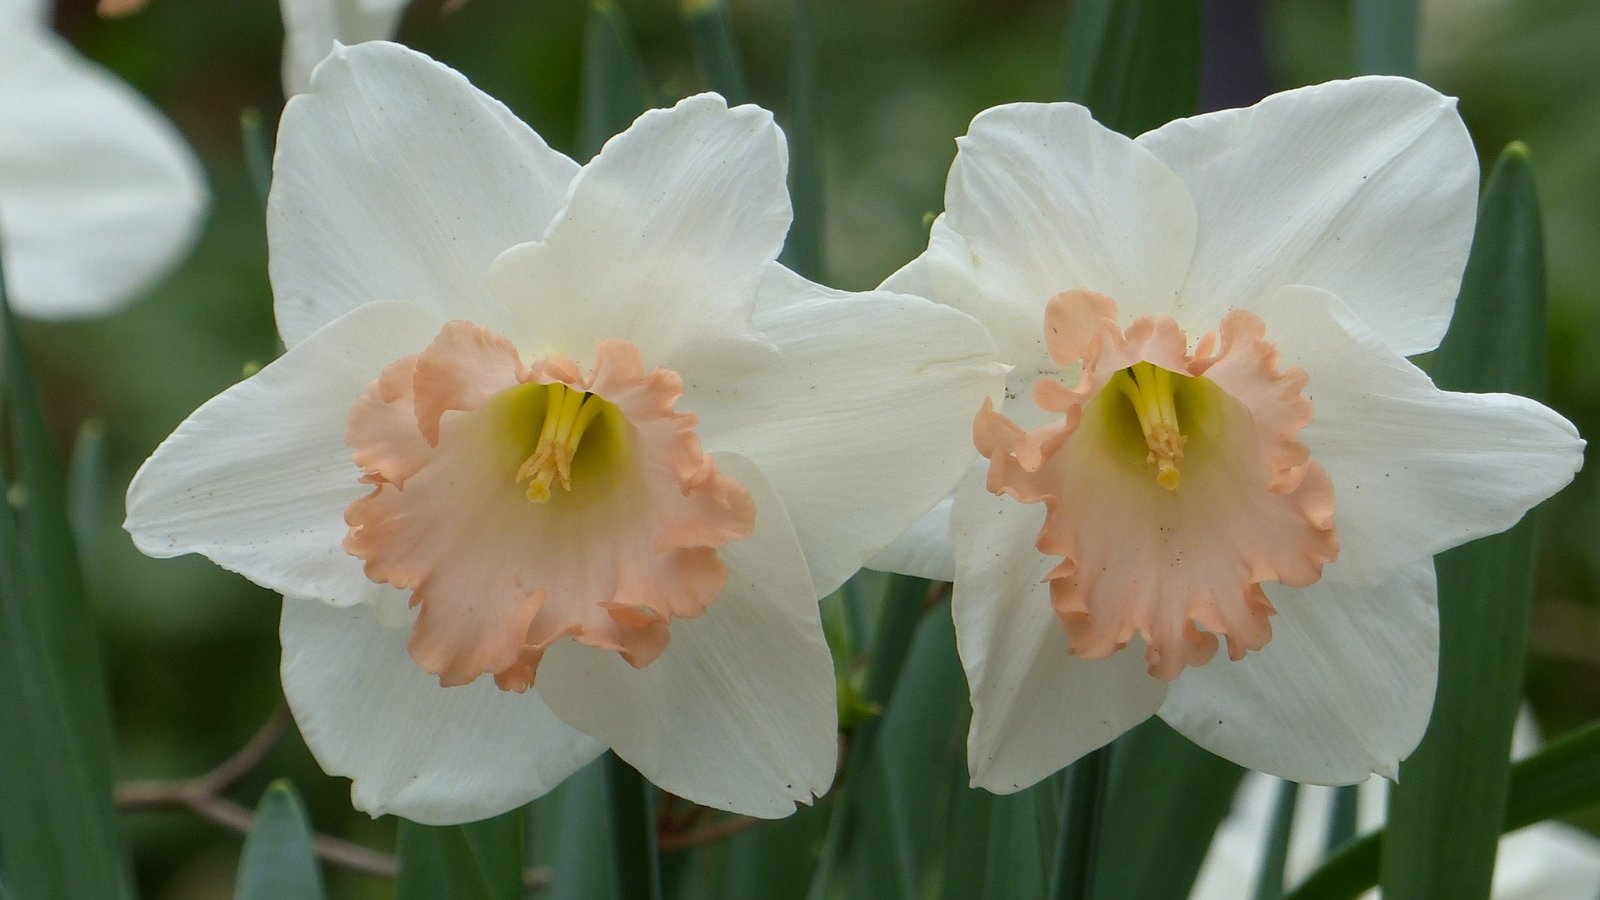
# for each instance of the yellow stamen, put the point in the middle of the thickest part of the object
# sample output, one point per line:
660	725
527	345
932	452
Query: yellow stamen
568	413
1149	390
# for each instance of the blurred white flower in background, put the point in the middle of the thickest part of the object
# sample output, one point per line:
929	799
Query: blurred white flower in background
311	27
1545	861
99	194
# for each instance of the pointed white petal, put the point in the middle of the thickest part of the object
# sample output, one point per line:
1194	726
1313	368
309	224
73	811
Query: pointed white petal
259	477
924	550
859	434
738	713
310	28
1342	691
1415	470
663	242
434	755
99	195
1049	200
1366	188
1035	707
396	180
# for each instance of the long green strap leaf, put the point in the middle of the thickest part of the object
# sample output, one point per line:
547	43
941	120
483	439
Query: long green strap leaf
1446	810
614	91
1082	818
461	862
1156	768
716	51
1384	37
1134	63
58	835
1561	778
277	860
632	816
802	250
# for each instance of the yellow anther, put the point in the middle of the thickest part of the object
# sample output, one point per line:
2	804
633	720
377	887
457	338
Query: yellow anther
1149	390
568	413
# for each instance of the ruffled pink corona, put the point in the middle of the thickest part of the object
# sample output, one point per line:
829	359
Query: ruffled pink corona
1174	483
523	504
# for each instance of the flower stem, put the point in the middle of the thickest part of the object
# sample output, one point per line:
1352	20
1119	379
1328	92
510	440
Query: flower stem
1275	855
1079	835
630	806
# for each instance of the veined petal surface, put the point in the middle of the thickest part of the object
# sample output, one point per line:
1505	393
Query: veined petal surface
863	380
1342	691
1035	706
924	549
259	477
1367	188
99	195
1415	470
397	180
434	755
738	712
663	241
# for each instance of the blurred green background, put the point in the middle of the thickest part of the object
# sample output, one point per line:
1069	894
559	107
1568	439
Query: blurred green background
192	649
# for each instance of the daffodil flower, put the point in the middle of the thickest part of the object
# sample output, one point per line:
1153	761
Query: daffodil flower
99	195
557	458
1217	484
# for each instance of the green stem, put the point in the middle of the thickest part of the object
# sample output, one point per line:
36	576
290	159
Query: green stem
1343	817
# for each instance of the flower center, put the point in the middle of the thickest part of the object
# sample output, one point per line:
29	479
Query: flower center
566	415
1149	389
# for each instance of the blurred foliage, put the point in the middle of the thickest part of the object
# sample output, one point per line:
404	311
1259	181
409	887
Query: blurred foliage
192	650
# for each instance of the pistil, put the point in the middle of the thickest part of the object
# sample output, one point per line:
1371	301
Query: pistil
1149	389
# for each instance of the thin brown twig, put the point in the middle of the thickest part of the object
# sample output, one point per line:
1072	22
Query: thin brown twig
709	834
202	795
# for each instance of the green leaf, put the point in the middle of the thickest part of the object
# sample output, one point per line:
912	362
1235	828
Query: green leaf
87	474
1446	810
277	860
1275	854
1384	37
1134	63
902	608
1155	768
570	835
716	51
905	784
631	813
58	835
614	92
802	251
257	143
1082	817
461	862
1563	777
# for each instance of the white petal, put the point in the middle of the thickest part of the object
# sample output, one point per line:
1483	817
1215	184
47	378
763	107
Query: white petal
99	195
924	549
1035	707
1049	200
863	423
663	242
434	755
1343	690
396	180
1415	470
259	477
310	28
1366	188
738	713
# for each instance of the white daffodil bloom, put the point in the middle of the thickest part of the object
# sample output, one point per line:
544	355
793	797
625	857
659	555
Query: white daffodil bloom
99	195
1212	434
558	458
311	28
